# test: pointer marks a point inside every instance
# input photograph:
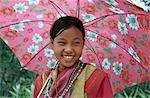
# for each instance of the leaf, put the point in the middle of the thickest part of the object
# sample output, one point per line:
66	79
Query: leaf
142	42
112	58
17	88
42	10
132	93
28	90
144	36
14	94
12	79
124	92
143	91
107	50
119	96
96	47
148	91
32	86
98	5
136	92
142	95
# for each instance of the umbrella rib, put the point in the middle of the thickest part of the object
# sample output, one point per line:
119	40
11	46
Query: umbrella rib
92	49
25	22
78	8
95	20
101	17
117	45
55	5
35	55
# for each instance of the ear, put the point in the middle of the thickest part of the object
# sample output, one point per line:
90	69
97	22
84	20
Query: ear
51	40
84	39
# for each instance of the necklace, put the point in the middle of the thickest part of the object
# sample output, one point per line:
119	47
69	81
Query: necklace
73	77
69	85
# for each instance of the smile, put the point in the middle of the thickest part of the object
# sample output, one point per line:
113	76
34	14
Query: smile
68	57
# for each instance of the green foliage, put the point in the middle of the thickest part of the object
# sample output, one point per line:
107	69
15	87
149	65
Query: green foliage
20	91
14	80
138	91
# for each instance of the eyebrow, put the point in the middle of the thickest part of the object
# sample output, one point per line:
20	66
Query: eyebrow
77	38
61	39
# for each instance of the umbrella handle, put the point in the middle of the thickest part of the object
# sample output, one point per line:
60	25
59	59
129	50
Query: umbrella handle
49	77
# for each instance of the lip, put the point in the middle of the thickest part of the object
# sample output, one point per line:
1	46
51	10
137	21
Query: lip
68	57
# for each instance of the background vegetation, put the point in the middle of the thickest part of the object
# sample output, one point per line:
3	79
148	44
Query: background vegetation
16	82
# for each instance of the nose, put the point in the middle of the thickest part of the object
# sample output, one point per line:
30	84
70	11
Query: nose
68	49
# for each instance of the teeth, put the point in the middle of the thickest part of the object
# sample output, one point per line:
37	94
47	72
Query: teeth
68	57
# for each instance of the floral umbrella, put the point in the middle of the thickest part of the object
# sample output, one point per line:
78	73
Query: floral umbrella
117	35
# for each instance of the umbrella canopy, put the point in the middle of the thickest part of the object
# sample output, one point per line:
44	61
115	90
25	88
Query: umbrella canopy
117	35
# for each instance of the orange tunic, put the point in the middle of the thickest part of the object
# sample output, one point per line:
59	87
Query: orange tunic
91	83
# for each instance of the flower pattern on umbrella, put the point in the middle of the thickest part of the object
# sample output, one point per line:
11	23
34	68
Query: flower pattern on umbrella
117	35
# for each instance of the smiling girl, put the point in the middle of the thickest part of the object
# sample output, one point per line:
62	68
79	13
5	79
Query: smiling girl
71	78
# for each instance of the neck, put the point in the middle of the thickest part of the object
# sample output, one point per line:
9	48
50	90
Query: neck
62	68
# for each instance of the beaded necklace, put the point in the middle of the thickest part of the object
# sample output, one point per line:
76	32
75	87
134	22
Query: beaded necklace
72	79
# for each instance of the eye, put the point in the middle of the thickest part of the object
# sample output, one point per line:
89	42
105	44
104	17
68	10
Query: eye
61	43
76	43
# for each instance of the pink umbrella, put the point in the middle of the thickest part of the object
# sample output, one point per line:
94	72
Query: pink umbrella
117	35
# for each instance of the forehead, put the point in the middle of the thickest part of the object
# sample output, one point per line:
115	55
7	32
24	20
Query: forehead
70	33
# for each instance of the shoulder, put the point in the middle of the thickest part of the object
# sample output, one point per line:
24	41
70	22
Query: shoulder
39	82
96	69
42	77
95	72
99	83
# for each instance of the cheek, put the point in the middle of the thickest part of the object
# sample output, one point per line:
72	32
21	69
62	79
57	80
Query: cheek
79	51
57	51
57	54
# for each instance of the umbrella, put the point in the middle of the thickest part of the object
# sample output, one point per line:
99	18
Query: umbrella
117	35
144	4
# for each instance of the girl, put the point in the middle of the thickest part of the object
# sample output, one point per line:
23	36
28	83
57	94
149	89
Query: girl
71	78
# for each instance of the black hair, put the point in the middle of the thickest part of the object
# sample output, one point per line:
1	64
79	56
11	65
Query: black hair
64	23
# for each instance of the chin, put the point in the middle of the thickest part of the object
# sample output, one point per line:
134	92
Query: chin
68	64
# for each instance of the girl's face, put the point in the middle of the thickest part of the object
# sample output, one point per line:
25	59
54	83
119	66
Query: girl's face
68	47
